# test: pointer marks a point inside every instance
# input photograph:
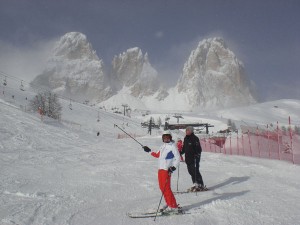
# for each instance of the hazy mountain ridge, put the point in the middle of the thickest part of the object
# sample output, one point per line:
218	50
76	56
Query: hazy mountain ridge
212	77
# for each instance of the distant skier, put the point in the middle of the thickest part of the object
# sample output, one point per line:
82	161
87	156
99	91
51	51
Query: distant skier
192	150
168	156
179	147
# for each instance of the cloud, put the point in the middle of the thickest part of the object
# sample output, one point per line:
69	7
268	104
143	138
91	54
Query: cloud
24	62
283	91
159	34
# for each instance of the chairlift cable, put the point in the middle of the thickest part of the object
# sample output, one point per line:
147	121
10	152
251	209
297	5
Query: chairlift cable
39	88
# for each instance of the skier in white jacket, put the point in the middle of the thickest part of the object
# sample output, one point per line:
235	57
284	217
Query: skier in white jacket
168	160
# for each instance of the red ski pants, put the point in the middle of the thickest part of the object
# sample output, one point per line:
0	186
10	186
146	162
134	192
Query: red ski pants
164	180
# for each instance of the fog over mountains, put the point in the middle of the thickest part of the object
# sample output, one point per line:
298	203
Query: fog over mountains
212	77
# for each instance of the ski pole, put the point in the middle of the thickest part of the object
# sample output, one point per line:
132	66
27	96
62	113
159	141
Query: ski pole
178	177
128	134
196	173
162	194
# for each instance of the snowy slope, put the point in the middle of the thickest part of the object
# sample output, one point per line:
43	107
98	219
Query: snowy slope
267	112
51	173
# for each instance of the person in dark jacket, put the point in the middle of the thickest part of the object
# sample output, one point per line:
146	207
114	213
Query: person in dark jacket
192	150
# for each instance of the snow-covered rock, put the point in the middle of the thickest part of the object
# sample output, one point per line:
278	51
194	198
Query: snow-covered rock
74	70
132	69
213	77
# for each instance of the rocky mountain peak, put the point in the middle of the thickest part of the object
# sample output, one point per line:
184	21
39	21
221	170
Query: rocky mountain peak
74	45
213	77
75	70
132	69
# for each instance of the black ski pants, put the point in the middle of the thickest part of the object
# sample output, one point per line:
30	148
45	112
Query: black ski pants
193	169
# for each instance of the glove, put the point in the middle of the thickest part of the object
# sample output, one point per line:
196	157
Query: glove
171	169
146	149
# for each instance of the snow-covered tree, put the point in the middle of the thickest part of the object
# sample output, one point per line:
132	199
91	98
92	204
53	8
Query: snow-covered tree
231	125
297	130
47	103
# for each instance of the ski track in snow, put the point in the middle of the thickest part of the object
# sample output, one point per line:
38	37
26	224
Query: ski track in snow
51	174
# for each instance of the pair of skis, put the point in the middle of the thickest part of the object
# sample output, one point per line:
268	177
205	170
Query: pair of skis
154	214
163	213
191	191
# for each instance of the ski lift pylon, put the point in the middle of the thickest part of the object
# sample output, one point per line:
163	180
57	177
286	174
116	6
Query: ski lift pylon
22	86
98	119
4	81
70	105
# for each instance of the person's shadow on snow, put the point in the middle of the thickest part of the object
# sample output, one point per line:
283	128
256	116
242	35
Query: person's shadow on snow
223	196
231	180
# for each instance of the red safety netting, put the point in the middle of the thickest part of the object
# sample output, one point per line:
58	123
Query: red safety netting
254	142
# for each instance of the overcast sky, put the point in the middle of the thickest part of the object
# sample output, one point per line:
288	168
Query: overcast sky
264	34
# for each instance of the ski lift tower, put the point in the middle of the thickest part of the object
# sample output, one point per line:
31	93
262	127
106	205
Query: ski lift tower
125	107
98	118
70	105
167	118
4	81
4	85
178	116
22	86
128	111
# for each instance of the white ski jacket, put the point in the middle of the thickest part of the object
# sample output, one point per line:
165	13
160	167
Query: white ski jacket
167	155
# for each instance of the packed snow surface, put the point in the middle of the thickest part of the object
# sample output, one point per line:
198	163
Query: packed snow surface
55	173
